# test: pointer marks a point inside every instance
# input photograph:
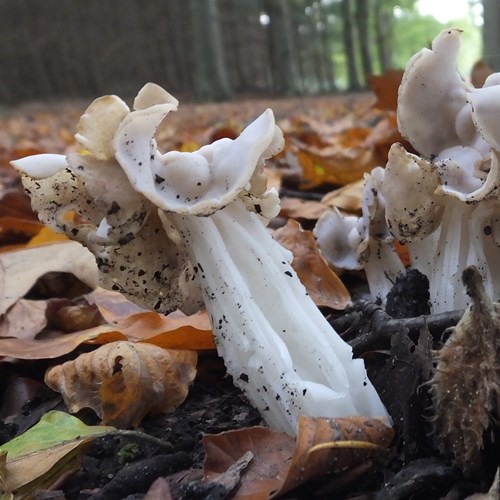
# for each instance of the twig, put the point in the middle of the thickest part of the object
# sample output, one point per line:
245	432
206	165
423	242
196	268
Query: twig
369	327
145	437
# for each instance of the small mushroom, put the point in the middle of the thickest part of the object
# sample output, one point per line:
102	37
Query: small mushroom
349	242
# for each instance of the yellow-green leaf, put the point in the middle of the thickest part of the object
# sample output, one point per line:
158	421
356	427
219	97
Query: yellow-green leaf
39	457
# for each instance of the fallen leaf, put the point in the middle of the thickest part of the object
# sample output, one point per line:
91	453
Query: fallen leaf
174	331
282	463
323	285
46	237
25	319
19	270
385	87
40	456
480	71
55	347
347	198
313	431
265	474
297	208
124	381
339	166
159	490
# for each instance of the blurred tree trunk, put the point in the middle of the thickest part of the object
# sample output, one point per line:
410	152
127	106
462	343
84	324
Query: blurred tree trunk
283	52
326	37
349	48
362	27
210	82
383	20
491	33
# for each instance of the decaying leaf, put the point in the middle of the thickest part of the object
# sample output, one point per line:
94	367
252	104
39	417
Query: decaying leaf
174	331
480	71
322	284
124	381
385	87
347	198
311	432
20	348
20	269
24	319
466	383
280	464
38	458
297	208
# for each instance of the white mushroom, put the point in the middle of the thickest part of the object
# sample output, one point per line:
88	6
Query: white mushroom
349	242
448	218
431	95
214	204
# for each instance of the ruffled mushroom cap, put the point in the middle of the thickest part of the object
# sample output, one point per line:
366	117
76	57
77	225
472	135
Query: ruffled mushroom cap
412	208
485	103
197	183
431	95
350	242
88	197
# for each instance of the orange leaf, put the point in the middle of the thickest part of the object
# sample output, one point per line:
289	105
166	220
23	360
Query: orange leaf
46	236
53	348
122	382
480	71
339	167
297	208
273	452
281	464
313	431
385	87
346	198
322	284
175	331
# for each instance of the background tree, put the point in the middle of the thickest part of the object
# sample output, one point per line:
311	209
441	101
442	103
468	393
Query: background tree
210	81
283	52
491	33
349	47
362	15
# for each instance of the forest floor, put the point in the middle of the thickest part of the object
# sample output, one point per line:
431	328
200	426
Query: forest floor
397	348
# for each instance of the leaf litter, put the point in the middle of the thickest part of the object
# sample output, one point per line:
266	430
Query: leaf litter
49	330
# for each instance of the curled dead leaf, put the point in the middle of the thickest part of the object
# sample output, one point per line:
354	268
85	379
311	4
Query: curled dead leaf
322	284
124	381
347	198
281	463
316	431
385	88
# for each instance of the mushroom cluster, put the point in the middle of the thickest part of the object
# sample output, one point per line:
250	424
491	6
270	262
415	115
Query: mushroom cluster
173	221
444	202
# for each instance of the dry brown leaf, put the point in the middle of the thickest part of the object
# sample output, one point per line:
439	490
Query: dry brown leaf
174	331
25	319
480	71
334	167
55	347
322	284
280	464
346	198
124	381
297	208
385	88
265	475
46	237
314	431
18	225
19	270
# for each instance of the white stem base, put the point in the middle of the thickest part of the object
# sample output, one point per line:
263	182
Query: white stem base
276	344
